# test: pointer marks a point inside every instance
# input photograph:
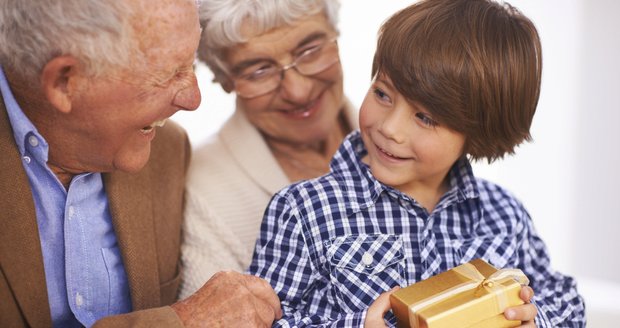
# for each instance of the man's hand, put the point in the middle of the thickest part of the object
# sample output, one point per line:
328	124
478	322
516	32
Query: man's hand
526	312
230	299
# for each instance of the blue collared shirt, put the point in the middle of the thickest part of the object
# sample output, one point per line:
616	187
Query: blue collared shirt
330	246
84	272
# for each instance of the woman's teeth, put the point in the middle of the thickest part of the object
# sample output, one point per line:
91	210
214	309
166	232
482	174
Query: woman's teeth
298	110
303	109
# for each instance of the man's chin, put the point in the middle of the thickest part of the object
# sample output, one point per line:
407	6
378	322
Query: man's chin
132	163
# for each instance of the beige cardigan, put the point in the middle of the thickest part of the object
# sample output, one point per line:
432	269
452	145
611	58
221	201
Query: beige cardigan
230	182
146	211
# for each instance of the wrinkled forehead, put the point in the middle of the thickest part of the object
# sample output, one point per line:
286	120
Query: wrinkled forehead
166	27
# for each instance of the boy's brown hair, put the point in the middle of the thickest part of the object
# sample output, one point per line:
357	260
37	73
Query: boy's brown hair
475	65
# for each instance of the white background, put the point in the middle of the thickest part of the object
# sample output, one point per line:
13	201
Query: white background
568	176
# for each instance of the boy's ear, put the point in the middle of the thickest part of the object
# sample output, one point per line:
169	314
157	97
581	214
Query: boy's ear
58	81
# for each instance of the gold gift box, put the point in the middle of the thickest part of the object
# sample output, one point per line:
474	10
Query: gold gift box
473	294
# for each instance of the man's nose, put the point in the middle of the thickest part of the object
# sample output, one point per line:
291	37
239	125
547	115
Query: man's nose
188	97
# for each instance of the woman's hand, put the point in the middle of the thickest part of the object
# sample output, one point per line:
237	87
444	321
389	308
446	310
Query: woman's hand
378	309
526	312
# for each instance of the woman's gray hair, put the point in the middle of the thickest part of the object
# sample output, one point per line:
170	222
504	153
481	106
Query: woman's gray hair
96	32
222	21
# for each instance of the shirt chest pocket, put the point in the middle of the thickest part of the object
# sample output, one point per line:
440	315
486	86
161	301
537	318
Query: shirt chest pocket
363	266
496	249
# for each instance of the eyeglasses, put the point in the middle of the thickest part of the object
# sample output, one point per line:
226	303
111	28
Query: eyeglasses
262	77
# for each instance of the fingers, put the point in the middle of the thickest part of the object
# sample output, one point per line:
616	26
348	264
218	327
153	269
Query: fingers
230	297
382	303
265	293
526	312
265	312
529	324
384	300
526	294
378	309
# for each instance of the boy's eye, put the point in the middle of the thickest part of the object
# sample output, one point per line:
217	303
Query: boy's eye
382	96
426	120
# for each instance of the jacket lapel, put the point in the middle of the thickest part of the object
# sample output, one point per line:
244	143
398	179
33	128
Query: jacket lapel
21	259
132	215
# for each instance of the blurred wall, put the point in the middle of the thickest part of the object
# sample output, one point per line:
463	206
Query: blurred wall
596	205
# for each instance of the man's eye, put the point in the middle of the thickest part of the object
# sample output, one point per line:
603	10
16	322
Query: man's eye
426	120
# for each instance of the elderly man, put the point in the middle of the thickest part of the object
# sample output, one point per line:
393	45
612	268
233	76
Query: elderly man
90	200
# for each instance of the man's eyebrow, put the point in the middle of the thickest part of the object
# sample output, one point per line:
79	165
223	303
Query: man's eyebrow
239	67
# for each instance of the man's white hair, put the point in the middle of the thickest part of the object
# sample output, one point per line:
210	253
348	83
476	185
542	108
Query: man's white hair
32	32
222	21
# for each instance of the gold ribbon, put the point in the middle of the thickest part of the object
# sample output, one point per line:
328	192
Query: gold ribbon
477	280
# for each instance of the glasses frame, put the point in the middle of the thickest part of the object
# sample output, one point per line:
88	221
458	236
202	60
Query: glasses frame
283	68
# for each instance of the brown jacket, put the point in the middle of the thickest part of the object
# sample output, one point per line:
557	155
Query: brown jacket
146	209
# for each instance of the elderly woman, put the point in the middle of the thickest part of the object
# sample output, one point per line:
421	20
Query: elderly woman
280	58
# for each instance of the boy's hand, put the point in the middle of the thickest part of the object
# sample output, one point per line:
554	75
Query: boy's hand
378	309
526	312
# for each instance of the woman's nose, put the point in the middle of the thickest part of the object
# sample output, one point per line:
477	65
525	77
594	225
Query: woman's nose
295	87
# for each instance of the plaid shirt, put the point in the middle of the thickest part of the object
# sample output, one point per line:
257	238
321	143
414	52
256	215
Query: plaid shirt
329	246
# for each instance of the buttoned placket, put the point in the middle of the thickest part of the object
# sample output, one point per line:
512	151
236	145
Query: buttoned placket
74	232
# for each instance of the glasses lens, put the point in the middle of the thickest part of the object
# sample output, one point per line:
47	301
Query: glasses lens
318	60
251	89
257	79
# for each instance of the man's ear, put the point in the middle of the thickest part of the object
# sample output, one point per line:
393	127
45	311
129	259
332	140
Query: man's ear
58	81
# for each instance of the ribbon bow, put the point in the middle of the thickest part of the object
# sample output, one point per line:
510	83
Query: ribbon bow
476	280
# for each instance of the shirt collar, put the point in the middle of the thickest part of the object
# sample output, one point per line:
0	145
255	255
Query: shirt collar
22	126
362	186
347	166
462	179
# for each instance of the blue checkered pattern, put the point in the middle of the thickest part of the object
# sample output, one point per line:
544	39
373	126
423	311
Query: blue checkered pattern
329	246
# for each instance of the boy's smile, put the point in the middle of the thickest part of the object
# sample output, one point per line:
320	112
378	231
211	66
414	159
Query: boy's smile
389	157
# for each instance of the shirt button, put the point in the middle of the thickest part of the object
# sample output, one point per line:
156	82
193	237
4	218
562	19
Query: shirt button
33	141
79	300
26	159
367	259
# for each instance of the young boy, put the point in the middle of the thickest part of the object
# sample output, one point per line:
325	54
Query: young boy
453	81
